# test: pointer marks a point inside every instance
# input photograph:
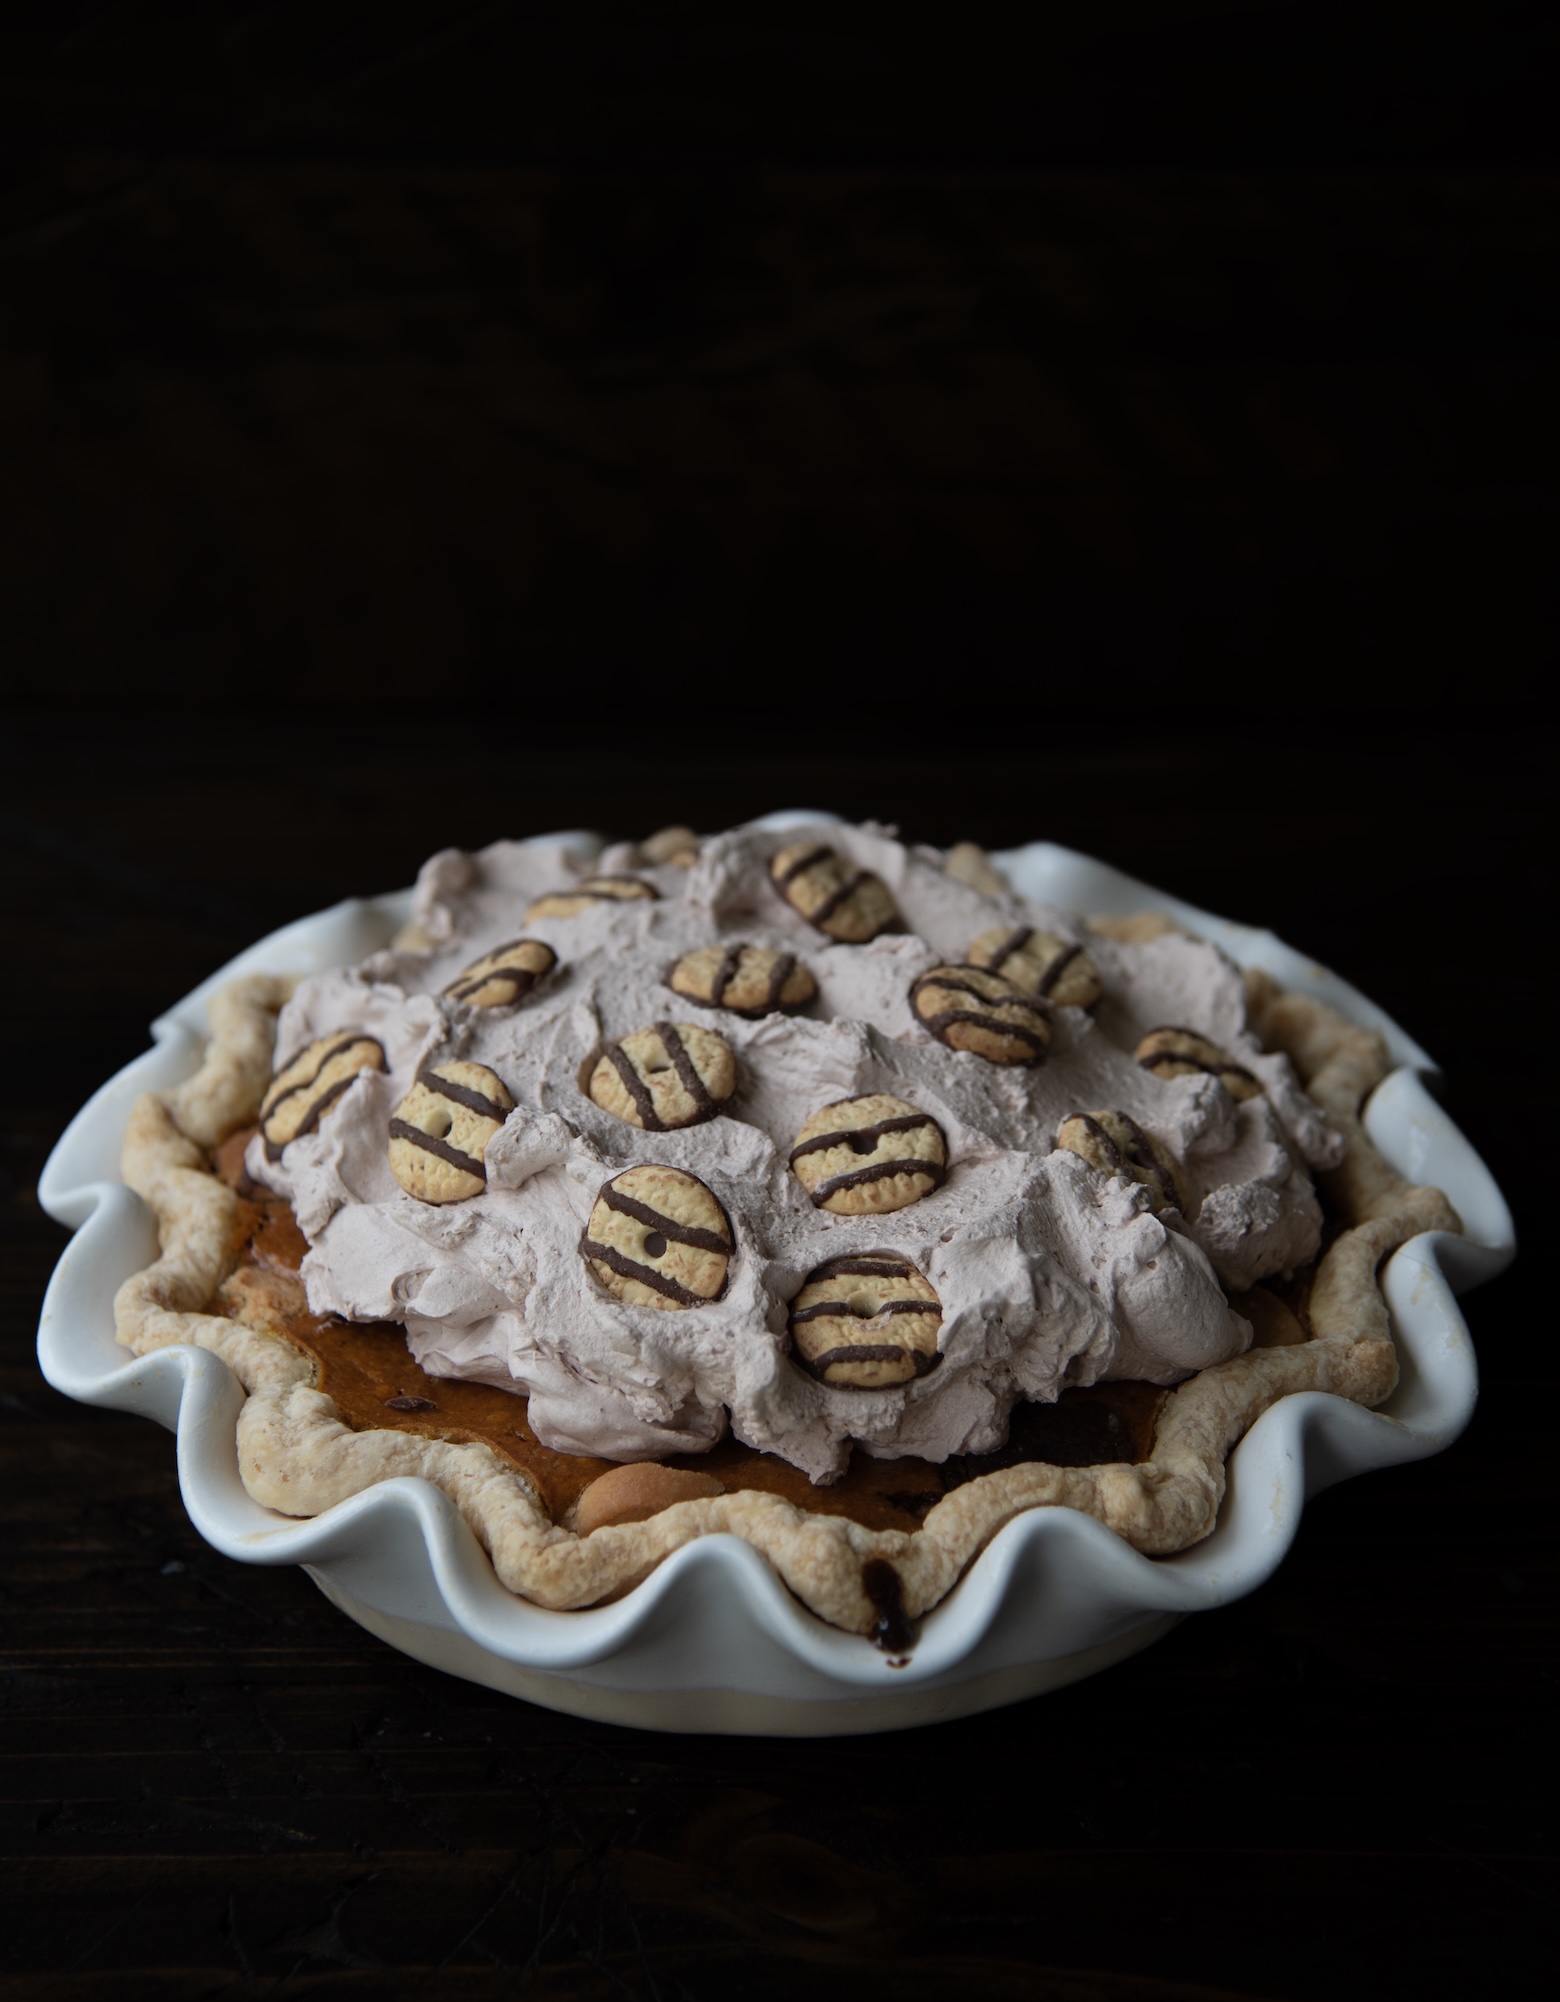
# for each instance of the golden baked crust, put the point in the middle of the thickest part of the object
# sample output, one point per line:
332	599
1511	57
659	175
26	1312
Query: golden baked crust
298	1456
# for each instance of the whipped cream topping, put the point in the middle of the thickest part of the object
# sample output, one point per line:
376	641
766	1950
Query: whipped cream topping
1048	1272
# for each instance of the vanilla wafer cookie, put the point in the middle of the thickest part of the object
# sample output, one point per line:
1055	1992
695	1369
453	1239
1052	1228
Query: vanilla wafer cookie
588	894
675	1074
867	1322
503	976
842	901
440	1131
746	979
1115	1144
657	1237
1171	1053
1040	963
866	1156
308	1085
970	1009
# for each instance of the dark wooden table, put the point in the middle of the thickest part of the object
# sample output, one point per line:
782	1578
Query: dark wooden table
1139	431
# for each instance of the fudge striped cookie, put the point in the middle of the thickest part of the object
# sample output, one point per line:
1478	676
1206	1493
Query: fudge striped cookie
675	1074
843	902
1172	1053
746	979
866	1323
865	1156
657	1237
308	1085
587	894
1115	1144
440	1131
1040	963
970	1009
503	976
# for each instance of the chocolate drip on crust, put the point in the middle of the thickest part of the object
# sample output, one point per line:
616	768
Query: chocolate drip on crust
812	857
401	1129
893	1630
652	1219
658	1282
693	1084
636	1088
904	1123
934	1171
461	1094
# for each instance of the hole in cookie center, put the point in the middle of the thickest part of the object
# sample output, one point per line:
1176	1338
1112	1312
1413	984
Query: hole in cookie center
655	1245
656	1065
861	1143
439	1124
862	1305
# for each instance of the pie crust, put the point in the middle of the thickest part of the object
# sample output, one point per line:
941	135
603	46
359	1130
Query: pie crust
216	1286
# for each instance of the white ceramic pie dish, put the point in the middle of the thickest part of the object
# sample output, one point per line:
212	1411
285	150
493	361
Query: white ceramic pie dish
712	1641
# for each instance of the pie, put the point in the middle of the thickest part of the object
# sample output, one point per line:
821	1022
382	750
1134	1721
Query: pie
969	1207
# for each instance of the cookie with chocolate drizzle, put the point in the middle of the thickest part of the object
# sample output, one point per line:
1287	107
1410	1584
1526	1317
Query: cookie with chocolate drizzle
673	1075
866	1322
657	1237
1115	1144
866	1156
440	1131
1041	963
503	976
308	1085
841	901
970	1009
748	980
1171	1053
588	893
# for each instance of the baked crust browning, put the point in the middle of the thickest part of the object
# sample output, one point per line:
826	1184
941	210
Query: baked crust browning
1170	1053
866	1322
590	892
673	1075
306	1087
1115	1144
982	1013
1040	963
841	901
503	976
440	1131
867	1156
298	1456
746	979
657	1237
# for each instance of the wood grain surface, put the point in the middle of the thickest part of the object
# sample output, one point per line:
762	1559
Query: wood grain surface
1140	434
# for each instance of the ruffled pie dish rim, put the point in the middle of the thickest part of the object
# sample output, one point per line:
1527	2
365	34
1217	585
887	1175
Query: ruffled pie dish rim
711	1639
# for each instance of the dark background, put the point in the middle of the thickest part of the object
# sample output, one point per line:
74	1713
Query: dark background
1137	430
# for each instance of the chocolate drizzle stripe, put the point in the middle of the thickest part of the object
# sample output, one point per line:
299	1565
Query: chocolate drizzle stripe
636	1088
1058	967
875	1352
840	1307
1014	942
336	1049
401	1129
934	1170
831	903
692	1083
1112	1152
784	967
888	1266
658	1282
794	869
312	1118
1220	1070
518	979
681	1233
955	985
904	1123
971	1018
725	973
461	1094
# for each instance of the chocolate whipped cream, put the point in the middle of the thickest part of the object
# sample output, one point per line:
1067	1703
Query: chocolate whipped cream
1048	1272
